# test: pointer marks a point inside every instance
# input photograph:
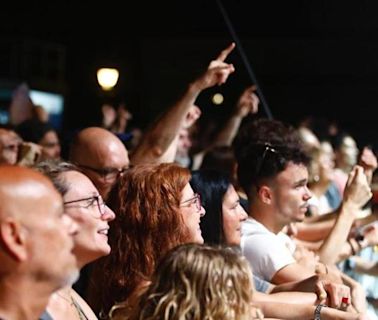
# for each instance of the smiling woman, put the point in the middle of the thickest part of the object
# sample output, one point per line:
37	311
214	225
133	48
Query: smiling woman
85	206
224	214
156	210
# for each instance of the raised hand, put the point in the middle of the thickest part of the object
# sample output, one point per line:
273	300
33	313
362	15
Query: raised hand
192	116
217	71
357	191
248	102
368	161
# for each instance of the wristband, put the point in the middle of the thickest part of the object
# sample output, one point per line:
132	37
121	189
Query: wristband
318	310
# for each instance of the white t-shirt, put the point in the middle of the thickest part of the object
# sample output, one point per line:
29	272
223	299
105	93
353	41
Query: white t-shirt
266	252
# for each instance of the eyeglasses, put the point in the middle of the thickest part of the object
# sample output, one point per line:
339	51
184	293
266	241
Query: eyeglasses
195	200
108	174
259	166
91	201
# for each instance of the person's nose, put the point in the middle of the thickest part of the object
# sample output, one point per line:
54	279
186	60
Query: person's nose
308	194
243	215
202	212
109	214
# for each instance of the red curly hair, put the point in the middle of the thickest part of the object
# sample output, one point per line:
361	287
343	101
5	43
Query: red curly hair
148	224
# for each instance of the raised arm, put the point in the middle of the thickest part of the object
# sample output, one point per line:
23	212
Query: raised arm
163	131
356	194
248	103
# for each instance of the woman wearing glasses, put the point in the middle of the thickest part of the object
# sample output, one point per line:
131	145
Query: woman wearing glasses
156	211
86	207
222	226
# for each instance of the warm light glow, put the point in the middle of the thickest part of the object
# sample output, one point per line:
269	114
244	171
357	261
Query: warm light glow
217	98
107	78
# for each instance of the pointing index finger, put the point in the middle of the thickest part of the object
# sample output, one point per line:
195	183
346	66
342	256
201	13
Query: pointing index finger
223	55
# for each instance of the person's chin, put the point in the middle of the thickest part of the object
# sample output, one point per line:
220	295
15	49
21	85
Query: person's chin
199	239
103	250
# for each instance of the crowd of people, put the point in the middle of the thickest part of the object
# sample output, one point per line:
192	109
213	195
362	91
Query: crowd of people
266	221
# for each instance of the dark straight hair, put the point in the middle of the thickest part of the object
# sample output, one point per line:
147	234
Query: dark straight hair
212	186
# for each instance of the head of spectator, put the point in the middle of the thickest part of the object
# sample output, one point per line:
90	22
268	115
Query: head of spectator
272	169
309	139
35	243
224	214
156	210
200	282
321	164
101	155
320	181
43	134
346	151
83	203
221	158
183	147
9	144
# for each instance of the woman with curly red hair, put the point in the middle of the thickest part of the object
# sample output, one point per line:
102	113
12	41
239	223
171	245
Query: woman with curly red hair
156	210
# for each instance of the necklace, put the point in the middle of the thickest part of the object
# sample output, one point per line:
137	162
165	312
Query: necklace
77	307
79	311
69	300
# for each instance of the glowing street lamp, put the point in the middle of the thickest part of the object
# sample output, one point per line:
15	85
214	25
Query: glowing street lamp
107	78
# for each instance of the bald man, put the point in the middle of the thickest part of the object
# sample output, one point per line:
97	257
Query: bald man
36	243
101	155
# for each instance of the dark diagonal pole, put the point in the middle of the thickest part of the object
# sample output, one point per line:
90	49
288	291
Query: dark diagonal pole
243	56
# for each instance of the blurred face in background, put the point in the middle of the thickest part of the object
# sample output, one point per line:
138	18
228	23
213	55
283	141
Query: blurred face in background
347	154
9	143
50	146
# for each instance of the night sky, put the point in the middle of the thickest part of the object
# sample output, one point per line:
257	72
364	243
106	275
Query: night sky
310	57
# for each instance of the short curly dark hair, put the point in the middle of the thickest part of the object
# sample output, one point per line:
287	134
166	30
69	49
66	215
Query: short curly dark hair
263	148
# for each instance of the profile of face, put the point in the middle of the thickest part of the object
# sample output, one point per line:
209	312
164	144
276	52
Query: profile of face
321	167
192	211
348	151
233	215
290	193
104	167
184	143
51	233
326	161
9	144
86	207
50	146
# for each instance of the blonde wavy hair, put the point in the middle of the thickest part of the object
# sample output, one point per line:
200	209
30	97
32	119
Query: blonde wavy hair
199	282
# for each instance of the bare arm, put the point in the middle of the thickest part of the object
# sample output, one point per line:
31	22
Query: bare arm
292	272
303	312
314	231
365	267
247	104
160	135
286	297
356	194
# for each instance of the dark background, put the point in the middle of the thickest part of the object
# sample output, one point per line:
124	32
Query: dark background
310	57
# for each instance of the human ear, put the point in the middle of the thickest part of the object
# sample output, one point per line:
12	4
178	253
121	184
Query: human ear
265	194
13	239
